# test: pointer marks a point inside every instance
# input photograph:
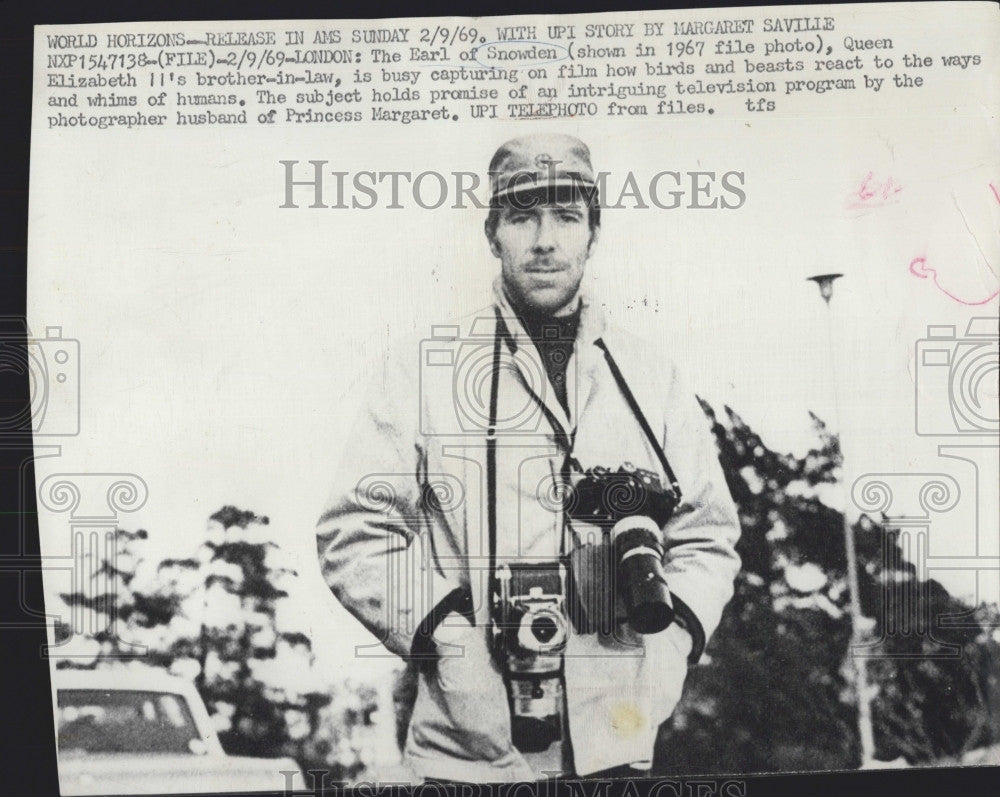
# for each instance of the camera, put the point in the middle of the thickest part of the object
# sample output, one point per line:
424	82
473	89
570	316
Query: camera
956	380
530	631
630	506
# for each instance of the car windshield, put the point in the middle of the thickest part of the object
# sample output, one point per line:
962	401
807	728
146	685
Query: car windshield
98	721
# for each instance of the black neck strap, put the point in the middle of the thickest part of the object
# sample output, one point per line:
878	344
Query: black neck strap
637	411
563	438
491	460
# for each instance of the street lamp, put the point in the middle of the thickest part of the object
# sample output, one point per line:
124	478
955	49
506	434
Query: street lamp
858	664
825	283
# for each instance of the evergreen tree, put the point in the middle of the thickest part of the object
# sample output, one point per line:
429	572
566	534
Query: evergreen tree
94	618
774	692
254	664
224	619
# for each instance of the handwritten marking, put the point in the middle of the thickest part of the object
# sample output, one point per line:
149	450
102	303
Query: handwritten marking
874	193
919	268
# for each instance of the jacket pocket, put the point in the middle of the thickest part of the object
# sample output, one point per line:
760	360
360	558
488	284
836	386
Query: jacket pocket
472	719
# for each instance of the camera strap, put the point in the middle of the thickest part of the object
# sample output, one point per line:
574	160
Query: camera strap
491	438
500	332
639	416
491	461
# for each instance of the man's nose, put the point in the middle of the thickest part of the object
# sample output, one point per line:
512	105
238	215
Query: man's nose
545	240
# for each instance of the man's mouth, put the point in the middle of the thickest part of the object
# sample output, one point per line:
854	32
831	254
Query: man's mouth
545	268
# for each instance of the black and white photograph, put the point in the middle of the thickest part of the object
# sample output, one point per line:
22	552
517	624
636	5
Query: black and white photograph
461	402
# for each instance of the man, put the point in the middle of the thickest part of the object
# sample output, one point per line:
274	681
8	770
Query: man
460	469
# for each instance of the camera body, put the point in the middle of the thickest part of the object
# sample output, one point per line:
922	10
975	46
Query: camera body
603	497
629	506
538	604
531	626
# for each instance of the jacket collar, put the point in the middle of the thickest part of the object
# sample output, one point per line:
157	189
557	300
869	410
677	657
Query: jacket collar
591	327
528	360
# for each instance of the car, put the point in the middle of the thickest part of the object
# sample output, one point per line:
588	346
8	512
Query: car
144	731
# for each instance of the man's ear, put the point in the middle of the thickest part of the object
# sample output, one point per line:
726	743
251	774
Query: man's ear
594	235
493	243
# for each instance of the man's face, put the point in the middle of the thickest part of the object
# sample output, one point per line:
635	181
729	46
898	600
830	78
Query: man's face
542	251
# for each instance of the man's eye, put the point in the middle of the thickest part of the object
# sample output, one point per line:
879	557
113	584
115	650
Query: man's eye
517	218
570	217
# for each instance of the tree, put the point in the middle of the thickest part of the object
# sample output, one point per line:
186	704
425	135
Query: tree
254	661
94	617
224	618
774	693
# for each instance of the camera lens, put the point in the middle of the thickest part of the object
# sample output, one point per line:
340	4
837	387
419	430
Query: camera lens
544	628
534	735
641	581
650	617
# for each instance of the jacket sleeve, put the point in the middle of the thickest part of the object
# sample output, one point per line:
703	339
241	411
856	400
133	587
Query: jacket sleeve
701	561
373	537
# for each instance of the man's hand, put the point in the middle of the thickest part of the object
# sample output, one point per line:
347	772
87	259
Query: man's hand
669	651
681	637
473	692
449	635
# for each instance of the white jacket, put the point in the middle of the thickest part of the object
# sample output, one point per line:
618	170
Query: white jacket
406	524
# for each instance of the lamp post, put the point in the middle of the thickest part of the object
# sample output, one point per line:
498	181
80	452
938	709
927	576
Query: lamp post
858	664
